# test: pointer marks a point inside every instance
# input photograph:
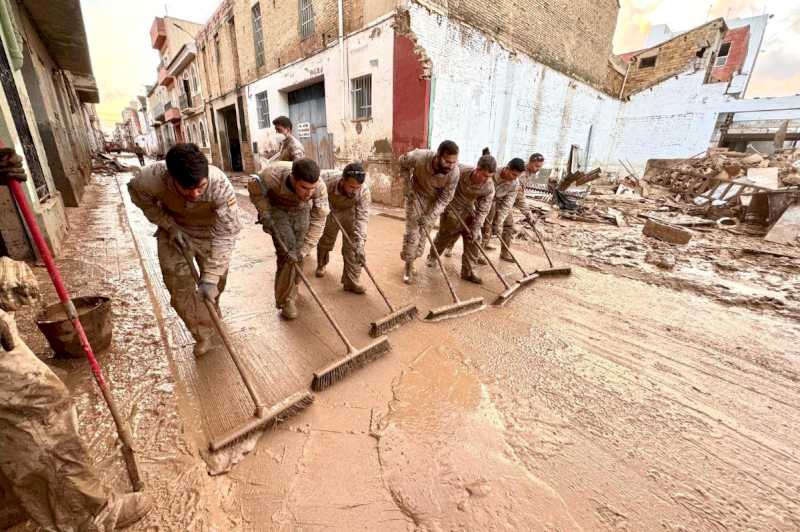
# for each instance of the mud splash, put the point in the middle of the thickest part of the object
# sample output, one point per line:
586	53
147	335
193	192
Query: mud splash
445	461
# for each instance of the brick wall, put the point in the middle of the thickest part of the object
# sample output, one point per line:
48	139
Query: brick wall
571	36
738	39
675	56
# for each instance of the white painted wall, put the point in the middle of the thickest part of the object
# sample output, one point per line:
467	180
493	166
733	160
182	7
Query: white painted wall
368	51
484	95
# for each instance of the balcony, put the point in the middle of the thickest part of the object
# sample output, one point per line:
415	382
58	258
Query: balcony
188	103
171	114
164	77
158	33
158	112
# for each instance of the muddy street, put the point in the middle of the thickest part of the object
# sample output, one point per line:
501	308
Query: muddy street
593	402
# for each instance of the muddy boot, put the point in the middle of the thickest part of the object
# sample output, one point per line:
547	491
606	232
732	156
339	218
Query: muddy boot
408	274
354	288
472	278
320	272
289	310
506	256
124	511
430	262
488	246
448	252
481	261
203	346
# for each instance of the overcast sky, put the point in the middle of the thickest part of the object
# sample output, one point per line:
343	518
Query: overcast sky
119	39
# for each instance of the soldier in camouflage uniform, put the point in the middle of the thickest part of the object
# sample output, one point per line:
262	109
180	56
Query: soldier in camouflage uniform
291	149
194	206
535	163
43	462
292	203
349	198
472	201
430	183
500	221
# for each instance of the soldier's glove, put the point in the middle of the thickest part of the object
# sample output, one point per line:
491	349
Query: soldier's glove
6	337
359	254
424	222
11	168
209	291
177	236
497	230
267	223
476	235
295	256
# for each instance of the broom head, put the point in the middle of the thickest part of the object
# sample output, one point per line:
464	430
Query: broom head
333	373
554	272
455	310
392	321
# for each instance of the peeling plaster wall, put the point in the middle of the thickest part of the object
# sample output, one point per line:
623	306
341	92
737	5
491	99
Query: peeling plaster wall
485	95
369	51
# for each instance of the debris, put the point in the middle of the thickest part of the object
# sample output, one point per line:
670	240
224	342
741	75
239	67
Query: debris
727	222
752	159
665	261
668	233
763	177
787	228
684	220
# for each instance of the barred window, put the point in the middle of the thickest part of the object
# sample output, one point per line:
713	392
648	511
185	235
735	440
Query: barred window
262	104
306	19
258	35
361	94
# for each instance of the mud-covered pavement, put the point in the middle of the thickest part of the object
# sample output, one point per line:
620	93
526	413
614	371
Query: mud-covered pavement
592	402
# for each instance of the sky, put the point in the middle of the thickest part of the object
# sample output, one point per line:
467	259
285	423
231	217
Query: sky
124	62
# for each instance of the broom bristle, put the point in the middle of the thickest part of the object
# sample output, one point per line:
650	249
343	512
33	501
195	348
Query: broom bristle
285	409
392	321
336	372
554	271
455	310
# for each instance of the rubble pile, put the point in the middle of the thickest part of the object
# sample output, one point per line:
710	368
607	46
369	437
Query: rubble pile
697	175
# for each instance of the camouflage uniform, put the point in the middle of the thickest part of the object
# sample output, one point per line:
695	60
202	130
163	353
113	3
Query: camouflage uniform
506	194
291	149
299	223
472	203
42	460
210	225
353	214
426	195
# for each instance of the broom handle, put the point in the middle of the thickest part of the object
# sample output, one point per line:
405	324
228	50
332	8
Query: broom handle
541	242
72	314
226	339
438	258
364	264
325	311
508	250
480	248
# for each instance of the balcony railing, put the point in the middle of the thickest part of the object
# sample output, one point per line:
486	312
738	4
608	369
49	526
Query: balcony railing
186	102
171	113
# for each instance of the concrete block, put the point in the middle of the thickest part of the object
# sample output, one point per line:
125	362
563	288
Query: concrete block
668	233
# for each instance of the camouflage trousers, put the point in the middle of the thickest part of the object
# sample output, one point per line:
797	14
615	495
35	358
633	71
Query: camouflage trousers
508	231
42	458
182	287
450	230
291	227
352	267
414	238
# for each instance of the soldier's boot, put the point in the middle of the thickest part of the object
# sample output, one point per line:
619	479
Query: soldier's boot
322	261
487	244
448	252
506	256
472	278
481	261
408	274
320	272
354	288
124	511
289	310
204	345
430	261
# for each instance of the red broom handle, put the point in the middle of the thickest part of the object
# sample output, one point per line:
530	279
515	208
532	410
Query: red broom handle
72	314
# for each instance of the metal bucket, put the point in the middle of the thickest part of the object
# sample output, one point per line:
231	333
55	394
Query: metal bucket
95	316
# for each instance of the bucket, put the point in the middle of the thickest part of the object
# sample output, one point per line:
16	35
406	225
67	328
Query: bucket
95	315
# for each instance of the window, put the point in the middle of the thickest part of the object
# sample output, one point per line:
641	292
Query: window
203	137
722	57
647	62
262	105
258	35
189	133
306	19
216	48
361	94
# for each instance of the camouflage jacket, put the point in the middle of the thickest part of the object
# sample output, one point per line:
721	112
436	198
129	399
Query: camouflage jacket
472	200
272	189
358	204
505	195
420	180
214	216
291	149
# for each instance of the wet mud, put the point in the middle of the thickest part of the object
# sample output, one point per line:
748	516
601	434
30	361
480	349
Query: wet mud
592	402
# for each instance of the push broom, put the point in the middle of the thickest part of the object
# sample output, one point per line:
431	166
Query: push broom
510	290
263	416
552	271
458	307
72	314
354	358
395	318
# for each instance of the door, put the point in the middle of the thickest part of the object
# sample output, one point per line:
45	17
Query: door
229	139
307	113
